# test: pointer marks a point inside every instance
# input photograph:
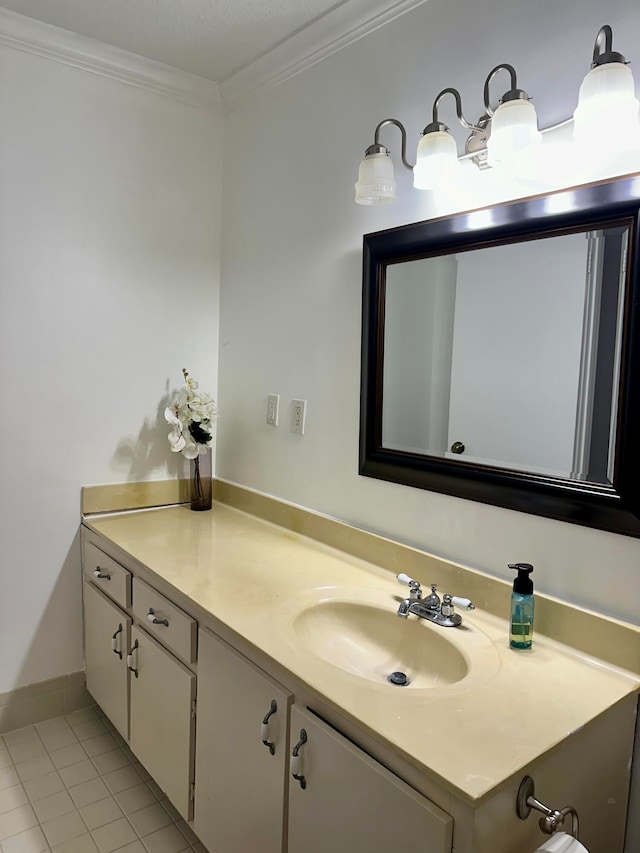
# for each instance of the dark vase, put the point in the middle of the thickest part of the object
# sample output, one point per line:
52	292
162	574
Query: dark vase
201	483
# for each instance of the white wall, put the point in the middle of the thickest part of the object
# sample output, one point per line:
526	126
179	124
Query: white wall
109	284
291	293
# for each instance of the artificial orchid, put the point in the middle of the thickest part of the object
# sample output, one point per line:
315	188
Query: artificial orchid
190	415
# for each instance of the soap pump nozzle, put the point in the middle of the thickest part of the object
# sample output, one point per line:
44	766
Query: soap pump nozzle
523	583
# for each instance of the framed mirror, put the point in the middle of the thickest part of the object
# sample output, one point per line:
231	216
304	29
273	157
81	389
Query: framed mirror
501	356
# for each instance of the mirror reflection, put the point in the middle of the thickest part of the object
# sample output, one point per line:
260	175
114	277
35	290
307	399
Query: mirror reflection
508	356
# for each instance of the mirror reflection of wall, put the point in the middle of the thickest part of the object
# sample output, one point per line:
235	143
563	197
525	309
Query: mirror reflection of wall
511	352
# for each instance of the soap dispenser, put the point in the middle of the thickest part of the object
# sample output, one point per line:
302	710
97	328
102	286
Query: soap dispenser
521	629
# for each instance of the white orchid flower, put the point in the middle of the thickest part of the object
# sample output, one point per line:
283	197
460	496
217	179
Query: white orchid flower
190	407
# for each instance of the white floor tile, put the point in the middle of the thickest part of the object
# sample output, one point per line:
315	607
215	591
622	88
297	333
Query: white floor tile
99	814
12	798
34	767
97	745
55	805
64	828
58	738
57	724
167	840
42	786
109	761
81	716
122	779
17	820
83	771
90	728
5	758
149	819
81	844
113	835
26	749
89	792
133	799
68	755
8	777
30	841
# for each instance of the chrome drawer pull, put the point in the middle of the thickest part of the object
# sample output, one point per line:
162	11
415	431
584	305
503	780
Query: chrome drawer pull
101	575
151	618
295	760
264	729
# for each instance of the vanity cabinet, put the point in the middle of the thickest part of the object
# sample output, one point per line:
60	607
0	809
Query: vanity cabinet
162	725
346	801
241	782
143	684
107	637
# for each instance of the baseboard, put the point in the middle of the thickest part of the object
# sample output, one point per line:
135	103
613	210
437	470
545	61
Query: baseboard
34	703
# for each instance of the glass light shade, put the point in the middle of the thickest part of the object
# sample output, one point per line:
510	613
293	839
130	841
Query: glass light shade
607	111
376	180
514	134
436	161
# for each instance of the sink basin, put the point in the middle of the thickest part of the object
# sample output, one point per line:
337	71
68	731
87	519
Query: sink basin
372	642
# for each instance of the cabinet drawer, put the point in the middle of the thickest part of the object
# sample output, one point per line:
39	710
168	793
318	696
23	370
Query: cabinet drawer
108	575
172	626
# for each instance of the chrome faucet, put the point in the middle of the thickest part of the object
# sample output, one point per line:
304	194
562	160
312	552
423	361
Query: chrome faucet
441	612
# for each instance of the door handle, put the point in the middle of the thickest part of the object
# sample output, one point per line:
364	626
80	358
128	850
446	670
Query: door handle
130	661
264	729
295	760
115	644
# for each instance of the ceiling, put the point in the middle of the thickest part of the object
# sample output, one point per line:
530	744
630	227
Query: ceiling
211	38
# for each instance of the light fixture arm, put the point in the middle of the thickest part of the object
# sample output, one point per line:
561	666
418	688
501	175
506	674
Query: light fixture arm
377	147
604	39
435	124
513	94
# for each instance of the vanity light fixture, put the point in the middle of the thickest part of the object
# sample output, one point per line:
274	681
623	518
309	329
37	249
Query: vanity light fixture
506	137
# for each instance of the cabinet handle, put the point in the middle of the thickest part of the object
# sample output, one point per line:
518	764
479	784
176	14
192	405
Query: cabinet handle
295	760
130	665
264	729
115	644
101	575
151	618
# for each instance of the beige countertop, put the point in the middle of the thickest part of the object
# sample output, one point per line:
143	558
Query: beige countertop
257	578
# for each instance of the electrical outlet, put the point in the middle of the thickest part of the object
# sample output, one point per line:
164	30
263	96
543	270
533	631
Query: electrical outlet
273	406
298	416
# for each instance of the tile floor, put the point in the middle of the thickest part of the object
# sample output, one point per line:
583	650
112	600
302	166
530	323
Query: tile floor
71	785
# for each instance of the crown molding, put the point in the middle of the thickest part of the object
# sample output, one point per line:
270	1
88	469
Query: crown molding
336	30
30	36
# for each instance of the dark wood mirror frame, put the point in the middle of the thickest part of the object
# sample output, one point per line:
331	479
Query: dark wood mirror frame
614	507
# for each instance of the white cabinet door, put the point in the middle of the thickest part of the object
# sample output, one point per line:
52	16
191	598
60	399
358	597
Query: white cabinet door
162	725
240	781
350	802
106	642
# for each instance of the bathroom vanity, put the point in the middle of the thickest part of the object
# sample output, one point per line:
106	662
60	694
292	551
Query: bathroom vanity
245	665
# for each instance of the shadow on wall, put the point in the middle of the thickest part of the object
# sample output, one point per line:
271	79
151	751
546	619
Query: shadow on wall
65	693
149	450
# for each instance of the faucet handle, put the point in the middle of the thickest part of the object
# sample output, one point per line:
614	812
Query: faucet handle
415	593
462	603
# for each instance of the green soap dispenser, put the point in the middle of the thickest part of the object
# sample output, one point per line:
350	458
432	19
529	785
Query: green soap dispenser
521	629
